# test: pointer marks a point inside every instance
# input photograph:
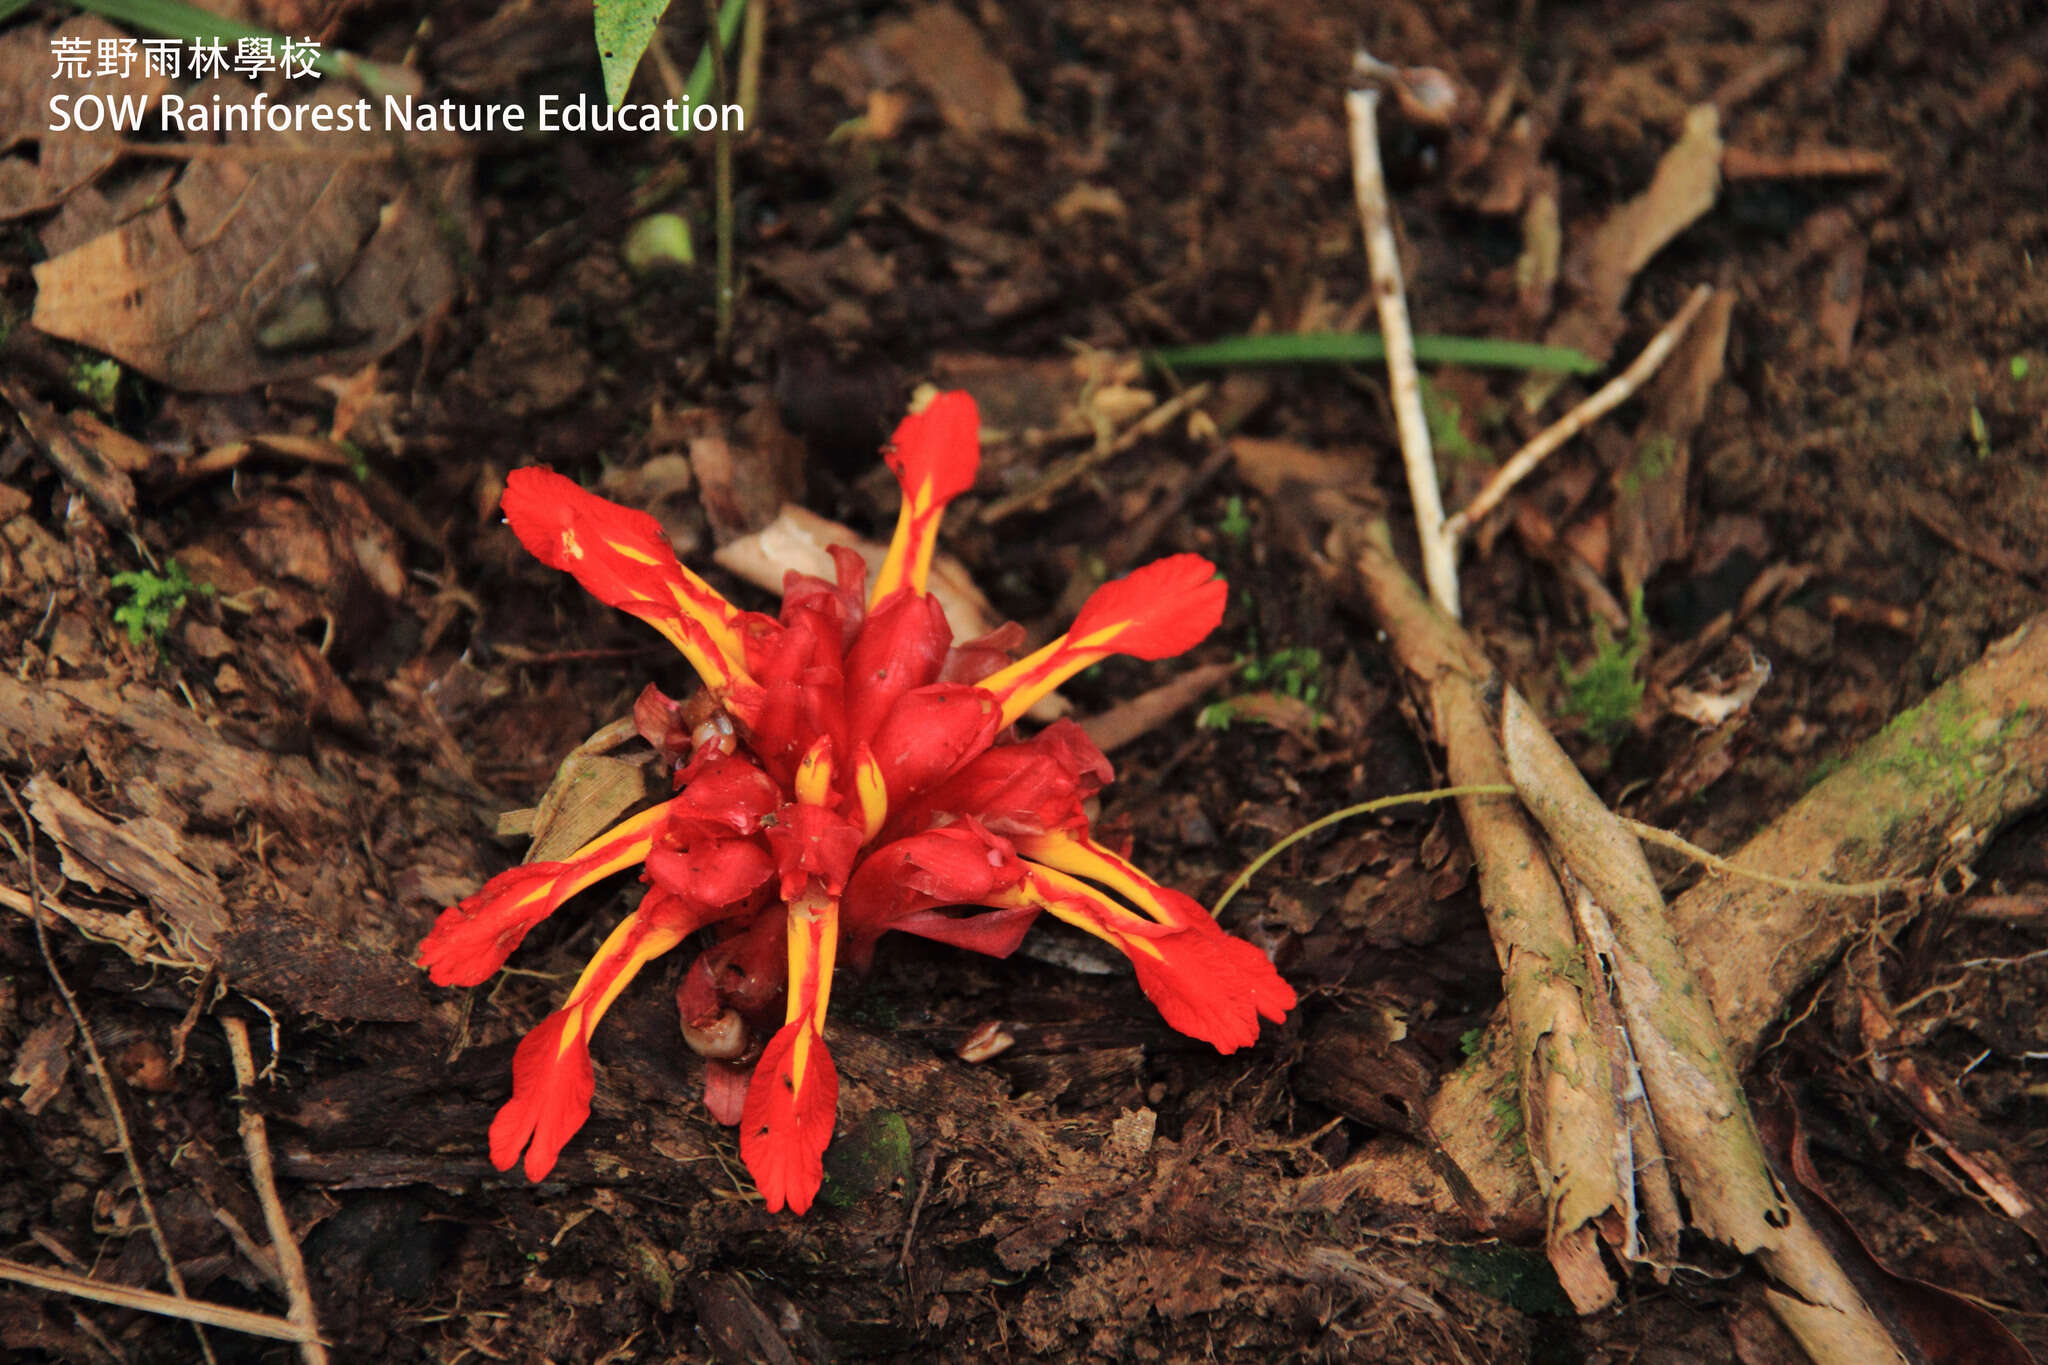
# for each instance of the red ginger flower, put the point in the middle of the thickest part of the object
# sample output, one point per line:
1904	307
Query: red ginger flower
852	772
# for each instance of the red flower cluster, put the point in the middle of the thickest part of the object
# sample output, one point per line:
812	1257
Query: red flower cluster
849	771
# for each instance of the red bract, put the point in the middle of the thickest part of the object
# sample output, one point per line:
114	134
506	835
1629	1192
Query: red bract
852	771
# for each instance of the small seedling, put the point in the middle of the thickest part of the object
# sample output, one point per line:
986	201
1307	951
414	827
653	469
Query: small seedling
1294	672
154	600
1605	693
96	382
1235	525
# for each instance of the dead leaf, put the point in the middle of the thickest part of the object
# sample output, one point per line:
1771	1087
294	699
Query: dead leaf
1652	516
947	55
797	540
268	269
1841	299
589	794
42	1062
1685	185
62	161
1945	1327
72	444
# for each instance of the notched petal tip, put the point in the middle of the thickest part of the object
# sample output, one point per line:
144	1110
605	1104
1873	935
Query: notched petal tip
1165	608
1211	986
552	1082
940	445
786	1125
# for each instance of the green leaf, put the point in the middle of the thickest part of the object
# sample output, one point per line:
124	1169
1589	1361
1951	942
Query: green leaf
1356	348
624	29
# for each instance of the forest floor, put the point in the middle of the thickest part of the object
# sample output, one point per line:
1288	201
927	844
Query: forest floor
252	805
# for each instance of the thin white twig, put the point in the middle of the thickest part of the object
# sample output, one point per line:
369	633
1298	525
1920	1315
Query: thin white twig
150	1301
1375	216
256	1144
1610	396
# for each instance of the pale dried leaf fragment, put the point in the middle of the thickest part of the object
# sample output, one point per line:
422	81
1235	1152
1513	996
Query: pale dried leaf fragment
269	269
42	1062
1605	264
797	540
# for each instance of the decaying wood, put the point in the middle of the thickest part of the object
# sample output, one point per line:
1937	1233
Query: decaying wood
1689	1073
1931	788
1578	1144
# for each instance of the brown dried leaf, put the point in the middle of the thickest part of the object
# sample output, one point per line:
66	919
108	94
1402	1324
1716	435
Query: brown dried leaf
267	269
947	55
76	448
1946	1328
1685	185
1652	521
42	1062
62	161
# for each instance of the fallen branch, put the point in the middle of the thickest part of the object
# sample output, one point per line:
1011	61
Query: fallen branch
1930	788
1578	1143
1689	1073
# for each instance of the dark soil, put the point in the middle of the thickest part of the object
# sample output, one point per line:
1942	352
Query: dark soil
391	672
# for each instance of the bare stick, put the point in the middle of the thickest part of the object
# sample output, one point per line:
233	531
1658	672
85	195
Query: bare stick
1375	216
194	1311
1611	395
147	1206
256	1144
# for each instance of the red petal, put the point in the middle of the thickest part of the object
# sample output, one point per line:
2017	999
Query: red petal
1205	983
1163	609
1211	986
811	841
994	932
902	647
941	445
725	1092
1021	789
712	874
552	1083
931	732
622	558
787	1122
472	939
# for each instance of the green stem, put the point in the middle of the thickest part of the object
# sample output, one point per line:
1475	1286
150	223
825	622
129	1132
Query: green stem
723	156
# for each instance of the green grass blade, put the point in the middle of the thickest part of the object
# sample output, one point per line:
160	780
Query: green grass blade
1354	348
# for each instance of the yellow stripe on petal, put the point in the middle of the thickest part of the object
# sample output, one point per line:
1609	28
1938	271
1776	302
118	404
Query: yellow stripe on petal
1085	907
871	791
813	951
1086	858
628	948
814	773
